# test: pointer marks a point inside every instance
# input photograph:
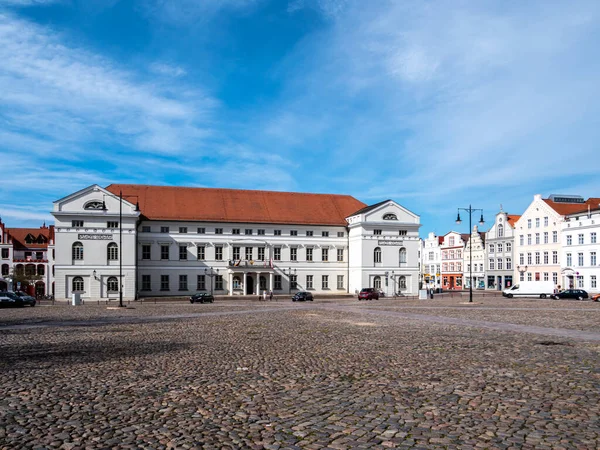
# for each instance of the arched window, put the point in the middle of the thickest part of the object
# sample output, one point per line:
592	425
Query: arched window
402	255
29	269
402	282
20	269
112	284
377	282
500	230
237	283
78	251
5	269
77	284
41	270
113	252
377	255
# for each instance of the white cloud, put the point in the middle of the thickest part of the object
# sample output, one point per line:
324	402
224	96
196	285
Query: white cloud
168	70
192	11
28	2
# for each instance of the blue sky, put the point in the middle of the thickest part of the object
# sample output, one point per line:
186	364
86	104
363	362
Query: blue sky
435	104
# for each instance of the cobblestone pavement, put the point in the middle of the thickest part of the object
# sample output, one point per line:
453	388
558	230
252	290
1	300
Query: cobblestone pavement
330	374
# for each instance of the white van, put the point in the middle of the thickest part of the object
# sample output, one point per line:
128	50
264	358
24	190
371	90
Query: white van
541	289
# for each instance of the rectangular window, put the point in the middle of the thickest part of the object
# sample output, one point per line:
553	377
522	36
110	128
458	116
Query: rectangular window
183	252
522	276
146	283
537	238
293	254
183	283
593	238
376	231
569	240
569	260
528	223
508	247
277	281
183	230
248	231
202	230
555	277
261	253
592	258
546	276
235	231
492	248
492	265
593	281
146	229
580	281
537	276
5	253
164	252
529	276
537	222
508	263
325	254
276	232
77	223
164	282
546	221
521	259
146	251
293	281
580	259
500	264
528	239
112	224
201	252
341	234
529	259
555	257
580	239
293	232
236	252
164	229
277	253
537	257
521	240
309	254
340	254
249	253
545	237
201	283
309	233
325	233
340	281
219	282
218	230
219	253
499	248
309	281
546	257
325	281
555	237
260	232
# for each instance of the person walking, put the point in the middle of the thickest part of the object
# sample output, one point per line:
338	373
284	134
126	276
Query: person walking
265	295
270	295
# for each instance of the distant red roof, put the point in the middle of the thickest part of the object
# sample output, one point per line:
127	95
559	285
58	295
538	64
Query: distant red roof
571	208
18	236
238	206
512	219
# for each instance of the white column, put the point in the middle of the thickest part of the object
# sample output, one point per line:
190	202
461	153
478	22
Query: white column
258	283
230	284
271	281
245	288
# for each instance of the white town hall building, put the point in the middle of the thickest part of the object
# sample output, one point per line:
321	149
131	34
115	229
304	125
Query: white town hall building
175	241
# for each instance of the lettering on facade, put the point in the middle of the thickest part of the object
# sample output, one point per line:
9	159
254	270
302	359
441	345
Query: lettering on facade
94	237
382	242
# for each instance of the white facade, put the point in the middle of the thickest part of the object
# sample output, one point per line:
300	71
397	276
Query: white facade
431	257
384	246
177	257
580	235
499	242
474	261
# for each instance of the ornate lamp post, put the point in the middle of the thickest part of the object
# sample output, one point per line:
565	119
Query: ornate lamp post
470	210
137	208
522	271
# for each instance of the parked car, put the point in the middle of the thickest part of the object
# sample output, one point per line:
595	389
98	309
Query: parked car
302	297
8	298
202	297
368	294
27	299
578	294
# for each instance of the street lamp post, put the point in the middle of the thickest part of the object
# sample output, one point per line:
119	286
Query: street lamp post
137	208
522	271
470	210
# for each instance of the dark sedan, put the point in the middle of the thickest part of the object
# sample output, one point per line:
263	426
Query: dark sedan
302	297
577	294
27	299
202	297
12	299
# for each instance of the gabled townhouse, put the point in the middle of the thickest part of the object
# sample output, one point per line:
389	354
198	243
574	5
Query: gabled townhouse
581	249
27	254
432	261
538	237
474	269
452	248
499	241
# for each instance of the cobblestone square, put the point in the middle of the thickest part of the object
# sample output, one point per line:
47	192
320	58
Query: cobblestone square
336	374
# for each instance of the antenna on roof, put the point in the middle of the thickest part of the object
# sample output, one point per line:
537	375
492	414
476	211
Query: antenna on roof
501	207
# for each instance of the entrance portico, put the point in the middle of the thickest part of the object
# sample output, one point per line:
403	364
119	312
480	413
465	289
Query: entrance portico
250	281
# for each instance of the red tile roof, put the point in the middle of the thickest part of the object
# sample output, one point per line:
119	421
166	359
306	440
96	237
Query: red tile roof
18	236
570	208
239	206
512	219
